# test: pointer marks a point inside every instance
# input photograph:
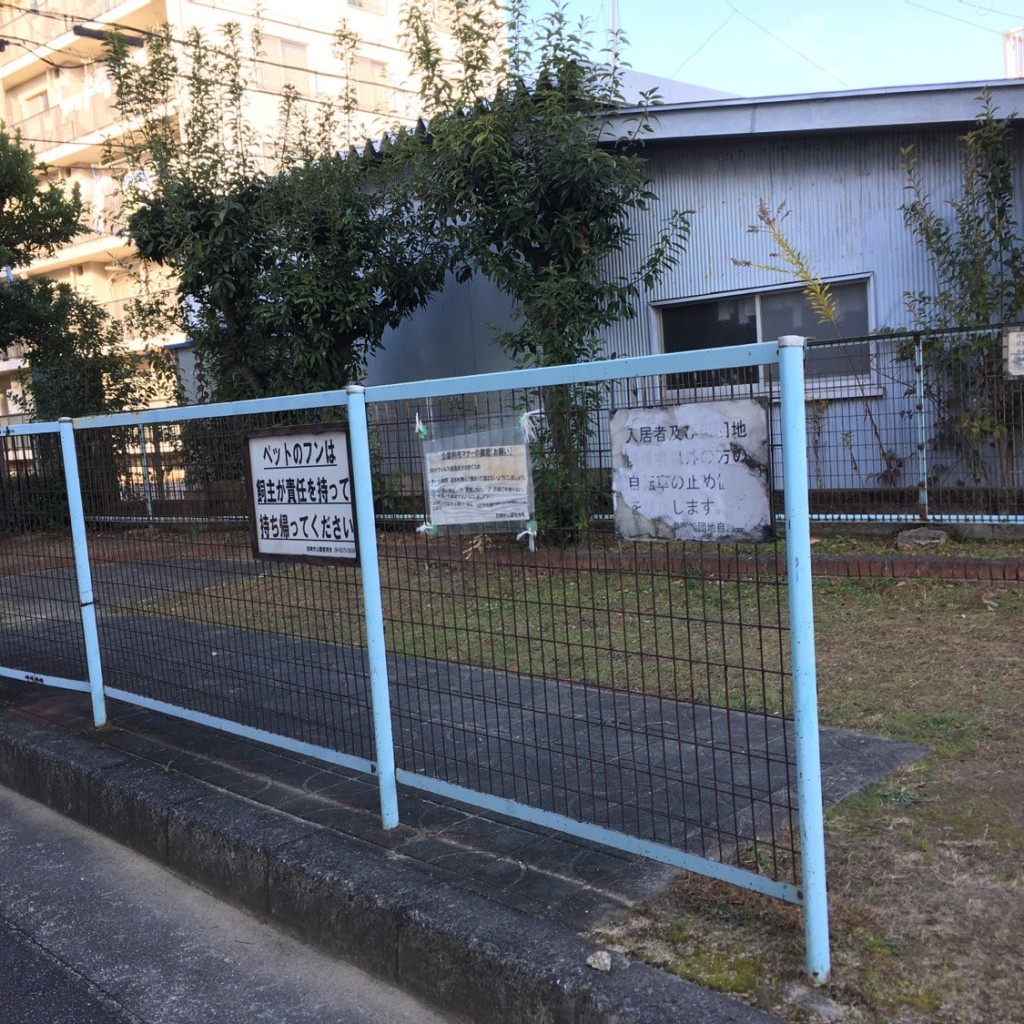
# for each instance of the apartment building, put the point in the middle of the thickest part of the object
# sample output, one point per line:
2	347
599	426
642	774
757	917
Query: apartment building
54	90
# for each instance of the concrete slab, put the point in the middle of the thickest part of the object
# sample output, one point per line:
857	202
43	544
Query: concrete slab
103	936
438	930
477	913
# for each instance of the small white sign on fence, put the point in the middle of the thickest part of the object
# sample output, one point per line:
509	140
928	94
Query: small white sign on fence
303	498
479	478
692	472
1013	351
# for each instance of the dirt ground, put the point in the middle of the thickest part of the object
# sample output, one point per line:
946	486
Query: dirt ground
926	871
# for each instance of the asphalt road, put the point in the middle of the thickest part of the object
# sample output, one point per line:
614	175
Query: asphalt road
37	988
90	933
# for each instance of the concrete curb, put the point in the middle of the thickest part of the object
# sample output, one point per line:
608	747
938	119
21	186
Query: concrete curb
454	949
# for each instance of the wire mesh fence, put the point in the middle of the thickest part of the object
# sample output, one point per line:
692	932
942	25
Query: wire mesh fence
916	426
640	685
191	619
39	602
926	427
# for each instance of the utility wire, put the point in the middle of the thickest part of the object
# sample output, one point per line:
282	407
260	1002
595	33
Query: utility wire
31	45
251	88
788	46
953	17
71	19
1017	16
267	19
732	14
257	62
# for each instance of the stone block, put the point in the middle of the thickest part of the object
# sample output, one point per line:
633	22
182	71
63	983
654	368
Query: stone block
226	845
922	538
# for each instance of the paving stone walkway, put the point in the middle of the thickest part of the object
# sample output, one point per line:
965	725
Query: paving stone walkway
704	780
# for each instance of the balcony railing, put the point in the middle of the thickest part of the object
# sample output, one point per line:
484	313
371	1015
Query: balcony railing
26	30
57	126
120	309
117	309
11	358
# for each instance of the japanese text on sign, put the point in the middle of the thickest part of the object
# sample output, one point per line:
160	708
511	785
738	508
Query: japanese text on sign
1013	351
302	492
483	483
692	472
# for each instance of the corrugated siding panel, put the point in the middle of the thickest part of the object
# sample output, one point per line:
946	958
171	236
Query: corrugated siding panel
843	195
451	337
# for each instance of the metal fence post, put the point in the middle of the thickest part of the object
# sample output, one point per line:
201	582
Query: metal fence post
146	489
83	572
801	625
922	429
374	613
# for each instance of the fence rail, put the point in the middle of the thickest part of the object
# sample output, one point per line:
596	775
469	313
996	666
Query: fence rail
645	694
899	430
625	691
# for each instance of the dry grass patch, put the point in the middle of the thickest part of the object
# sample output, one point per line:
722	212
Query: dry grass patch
926	871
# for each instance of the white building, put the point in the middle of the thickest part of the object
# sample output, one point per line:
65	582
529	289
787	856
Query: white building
54	90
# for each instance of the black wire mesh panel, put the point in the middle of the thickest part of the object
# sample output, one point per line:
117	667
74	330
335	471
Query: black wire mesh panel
187	615
40	624
641	686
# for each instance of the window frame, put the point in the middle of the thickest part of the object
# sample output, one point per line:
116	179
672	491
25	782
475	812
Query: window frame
275	71
369	6
374	91
826	387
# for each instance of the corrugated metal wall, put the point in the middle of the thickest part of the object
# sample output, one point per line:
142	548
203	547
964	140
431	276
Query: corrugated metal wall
843	194
451	337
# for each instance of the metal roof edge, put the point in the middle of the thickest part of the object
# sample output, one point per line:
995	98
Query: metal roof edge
890	107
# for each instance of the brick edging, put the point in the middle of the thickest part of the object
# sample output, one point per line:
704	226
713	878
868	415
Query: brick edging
1007	570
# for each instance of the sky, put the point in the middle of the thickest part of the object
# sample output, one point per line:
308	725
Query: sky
781	47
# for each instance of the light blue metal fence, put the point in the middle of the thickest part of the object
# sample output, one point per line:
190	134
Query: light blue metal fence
635	694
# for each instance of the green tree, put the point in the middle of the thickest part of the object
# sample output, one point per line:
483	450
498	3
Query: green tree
529	178
290	272
75	360
976	253
36	215
977	256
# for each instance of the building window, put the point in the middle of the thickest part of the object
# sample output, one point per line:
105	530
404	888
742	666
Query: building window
373	89
749	319
36	103
373	6
284	62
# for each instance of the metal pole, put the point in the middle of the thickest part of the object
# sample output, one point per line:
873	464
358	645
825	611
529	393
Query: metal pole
801	632
922	431
374	613
83	572
145	471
